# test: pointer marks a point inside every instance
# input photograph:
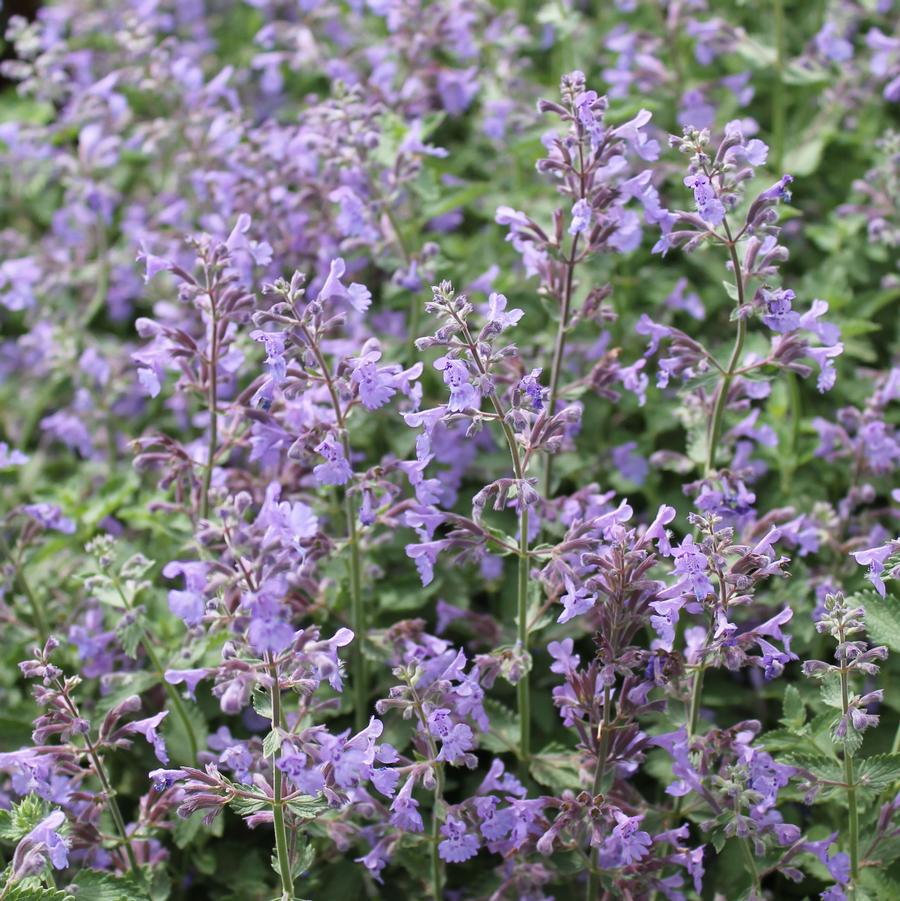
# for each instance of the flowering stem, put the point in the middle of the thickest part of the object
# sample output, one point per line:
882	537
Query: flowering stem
778	98
108	790
563	328
437	865
849	777
281	845
523	687
357	611
751	866
718	414
114	810
174	697
593	885
37	608
212	403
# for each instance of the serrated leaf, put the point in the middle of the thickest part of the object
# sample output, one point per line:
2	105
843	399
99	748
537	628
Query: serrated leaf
136	566
306	854
878	772
503	736
25	892
882	618
271	743
18	821
94	885
306	807
556	767
245	806
262	704
130	632
824	769
793	708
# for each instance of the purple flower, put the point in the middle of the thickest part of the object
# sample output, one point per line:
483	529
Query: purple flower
691	562
405	809
425	556
627	844
42	844
581	217
499	315
335	470
463	394
50	517
189	604
458	845
575	601
875	559
709	206
191	678
148	728
375	385
530	386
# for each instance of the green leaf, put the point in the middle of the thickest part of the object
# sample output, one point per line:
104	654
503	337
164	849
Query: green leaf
878	772
271	743
793	708
31	891
882	618
306	807
17	822
94	885
245	806
130	632
503	736
136	567
824	769
556	767
306	854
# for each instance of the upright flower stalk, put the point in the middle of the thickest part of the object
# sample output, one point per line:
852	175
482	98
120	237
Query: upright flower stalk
282	852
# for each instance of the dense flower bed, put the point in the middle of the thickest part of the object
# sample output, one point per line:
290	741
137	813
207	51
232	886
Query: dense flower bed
448	450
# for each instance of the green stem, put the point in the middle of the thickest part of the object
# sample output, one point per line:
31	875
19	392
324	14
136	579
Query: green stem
778	97
715	428
281	843
850	780
177	704
113	806
750	864
39	614
212	403
696	695
523	688
593	885
357	613
437	865
563	328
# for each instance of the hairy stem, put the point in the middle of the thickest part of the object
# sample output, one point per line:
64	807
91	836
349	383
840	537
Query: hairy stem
212	402
281	843
437	865
357	611
108	791
593	885
718	414
38	613
778	94
562	330
850	780
523	689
